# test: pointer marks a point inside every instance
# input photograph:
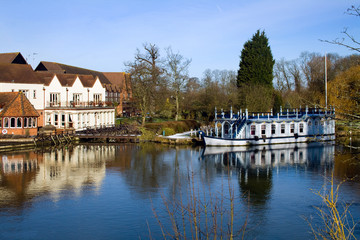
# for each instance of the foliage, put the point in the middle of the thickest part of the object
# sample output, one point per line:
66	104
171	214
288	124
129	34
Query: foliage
255	75
309	68
167	110
168	131
177	126
256	62
344	92
256	97
336	219
146	135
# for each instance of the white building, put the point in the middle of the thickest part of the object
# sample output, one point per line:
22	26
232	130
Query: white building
63	100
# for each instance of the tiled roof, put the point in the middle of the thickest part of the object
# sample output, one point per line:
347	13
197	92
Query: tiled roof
87	80
60	68
10	58
16	104
116	78
45	77
17	73
66	79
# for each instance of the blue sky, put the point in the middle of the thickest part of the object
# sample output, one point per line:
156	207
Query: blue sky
102	35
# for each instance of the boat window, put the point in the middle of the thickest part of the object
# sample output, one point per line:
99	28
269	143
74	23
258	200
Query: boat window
263	129
252	129
273	128
282	128
301	127
292	128
226	128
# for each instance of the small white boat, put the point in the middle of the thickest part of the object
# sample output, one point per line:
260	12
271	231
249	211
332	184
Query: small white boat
296	126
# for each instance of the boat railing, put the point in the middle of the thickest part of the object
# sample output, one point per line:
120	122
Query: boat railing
294	113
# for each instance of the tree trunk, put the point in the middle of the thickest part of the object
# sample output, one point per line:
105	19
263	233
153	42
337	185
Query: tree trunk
177	107
143	111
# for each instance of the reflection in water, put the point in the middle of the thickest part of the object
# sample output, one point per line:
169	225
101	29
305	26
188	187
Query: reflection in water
29	174
256	165
129	180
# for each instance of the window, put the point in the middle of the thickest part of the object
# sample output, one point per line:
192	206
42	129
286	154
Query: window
252	129
0	122
77	98
34	94
18	123
48	119
56	119
6	122
79	120
226	128
309	123
273	128
282	128
263	129
301	128
316	123
97	98
12	122
292	128
25	92
34	122
62	119
54	99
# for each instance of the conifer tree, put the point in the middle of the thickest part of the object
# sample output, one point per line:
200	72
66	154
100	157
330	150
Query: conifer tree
256	61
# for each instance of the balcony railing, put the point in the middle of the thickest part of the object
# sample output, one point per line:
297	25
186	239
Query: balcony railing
72	104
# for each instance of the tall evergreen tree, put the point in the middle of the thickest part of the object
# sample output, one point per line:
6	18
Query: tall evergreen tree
256	62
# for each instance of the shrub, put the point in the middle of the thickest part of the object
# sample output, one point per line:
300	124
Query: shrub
168	131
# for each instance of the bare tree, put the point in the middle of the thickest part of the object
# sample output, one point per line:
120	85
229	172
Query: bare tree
145	78
177	72
354	44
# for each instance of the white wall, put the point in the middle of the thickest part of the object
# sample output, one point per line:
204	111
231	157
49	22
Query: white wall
37	101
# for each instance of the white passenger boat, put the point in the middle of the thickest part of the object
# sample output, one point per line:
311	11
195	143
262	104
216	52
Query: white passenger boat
291	126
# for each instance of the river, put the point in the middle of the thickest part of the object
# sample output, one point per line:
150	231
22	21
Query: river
138	191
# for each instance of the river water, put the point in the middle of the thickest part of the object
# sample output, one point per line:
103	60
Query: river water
129	191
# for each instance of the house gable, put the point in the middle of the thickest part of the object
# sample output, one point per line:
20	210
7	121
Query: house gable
15	104
12	58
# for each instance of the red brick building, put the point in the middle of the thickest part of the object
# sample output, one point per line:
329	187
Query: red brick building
17	115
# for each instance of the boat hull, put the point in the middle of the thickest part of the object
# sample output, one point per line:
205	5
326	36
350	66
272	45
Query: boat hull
215	141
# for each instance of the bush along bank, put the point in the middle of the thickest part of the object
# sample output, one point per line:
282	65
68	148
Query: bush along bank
157	132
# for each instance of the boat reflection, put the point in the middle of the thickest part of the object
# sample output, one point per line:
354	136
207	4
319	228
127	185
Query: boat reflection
255	166
313	154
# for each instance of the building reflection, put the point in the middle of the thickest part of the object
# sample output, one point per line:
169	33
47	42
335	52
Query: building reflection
28	174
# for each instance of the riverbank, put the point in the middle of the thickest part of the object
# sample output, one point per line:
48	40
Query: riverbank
347	134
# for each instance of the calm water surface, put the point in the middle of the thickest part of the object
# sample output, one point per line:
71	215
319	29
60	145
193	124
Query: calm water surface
113	191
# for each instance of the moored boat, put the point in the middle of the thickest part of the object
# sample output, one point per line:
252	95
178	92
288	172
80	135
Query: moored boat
291	126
